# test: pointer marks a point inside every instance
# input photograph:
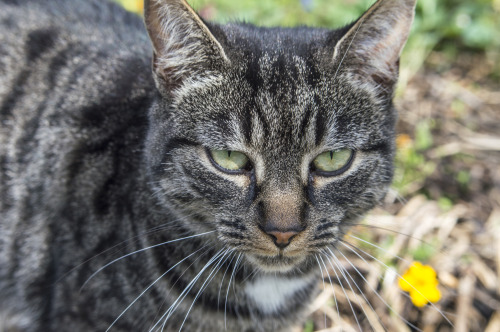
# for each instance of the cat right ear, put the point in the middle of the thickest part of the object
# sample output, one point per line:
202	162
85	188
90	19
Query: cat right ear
184	49
369	51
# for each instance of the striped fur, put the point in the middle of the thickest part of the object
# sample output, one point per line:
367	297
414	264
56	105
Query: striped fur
114	217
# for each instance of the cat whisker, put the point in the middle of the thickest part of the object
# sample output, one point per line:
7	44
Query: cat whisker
229	285
422	241
217	257
390	230
151	285
347	244
233	254
250	275
180	276
138	251
209	278
135	238
331	283
378	247
333	259
397	196
374	290
377	317
185	292
342	287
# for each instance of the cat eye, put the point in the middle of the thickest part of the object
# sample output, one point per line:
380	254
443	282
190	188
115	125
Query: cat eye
230	161
331	163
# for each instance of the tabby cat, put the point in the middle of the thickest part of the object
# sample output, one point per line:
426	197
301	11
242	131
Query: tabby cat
206	194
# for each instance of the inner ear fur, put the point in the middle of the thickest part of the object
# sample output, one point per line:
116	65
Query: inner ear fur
371	48
183	46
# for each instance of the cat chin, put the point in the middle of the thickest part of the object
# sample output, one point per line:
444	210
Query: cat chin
277	264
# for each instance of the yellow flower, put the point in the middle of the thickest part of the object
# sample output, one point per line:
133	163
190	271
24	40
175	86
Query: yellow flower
403	141
133	5
421	282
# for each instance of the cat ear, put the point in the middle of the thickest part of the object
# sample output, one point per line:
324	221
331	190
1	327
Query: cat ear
183	46
370	49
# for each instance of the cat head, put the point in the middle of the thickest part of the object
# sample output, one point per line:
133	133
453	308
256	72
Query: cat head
277	138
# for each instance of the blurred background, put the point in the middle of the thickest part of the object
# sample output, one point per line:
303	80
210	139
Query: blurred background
444	208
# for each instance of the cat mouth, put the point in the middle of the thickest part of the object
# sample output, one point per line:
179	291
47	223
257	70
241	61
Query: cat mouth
276	263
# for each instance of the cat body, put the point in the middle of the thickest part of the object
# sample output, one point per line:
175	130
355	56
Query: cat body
115	211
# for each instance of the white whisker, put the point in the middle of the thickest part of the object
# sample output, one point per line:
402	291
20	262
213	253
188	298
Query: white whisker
180	276
357	286
224	276
331	283
141	250
184	293
136	238
151	285
380	248
209	278
342	287
348	48
229	284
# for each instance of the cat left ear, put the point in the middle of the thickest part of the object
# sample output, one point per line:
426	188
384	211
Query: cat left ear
183	46
370	49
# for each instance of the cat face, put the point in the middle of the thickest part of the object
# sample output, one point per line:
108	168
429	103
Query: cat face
276	141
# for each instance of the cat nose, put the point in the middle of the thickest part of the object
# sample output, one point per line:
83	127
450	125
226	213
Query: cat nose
282	239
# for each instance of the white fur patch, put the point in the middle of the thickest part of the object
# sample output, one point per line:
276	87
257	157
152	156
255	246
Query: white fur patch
270	293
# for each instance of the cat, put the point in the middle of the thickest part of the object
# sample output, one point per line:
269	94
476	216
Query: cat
181	174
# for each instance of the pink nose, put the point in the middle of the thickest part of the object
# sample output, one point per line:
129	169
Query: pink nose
282	239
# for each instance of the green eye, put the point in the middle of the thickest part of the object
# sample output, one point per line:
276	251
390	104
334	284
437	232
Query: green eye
334	162
229	160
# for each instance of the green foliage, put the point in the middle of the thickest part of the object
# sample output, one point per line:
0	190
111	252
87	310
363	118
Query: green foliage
445	204
412	167
453	26
285	12
424	252
308	326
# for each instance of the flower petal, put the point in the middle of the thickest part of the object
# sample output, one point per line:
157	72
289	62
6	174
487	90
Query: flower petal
433	294
418	299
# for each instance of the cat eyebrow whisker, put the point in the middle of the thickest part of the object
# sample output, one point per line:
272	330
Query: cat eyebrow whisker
347	244
151	285
348	47
138	251
374	290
